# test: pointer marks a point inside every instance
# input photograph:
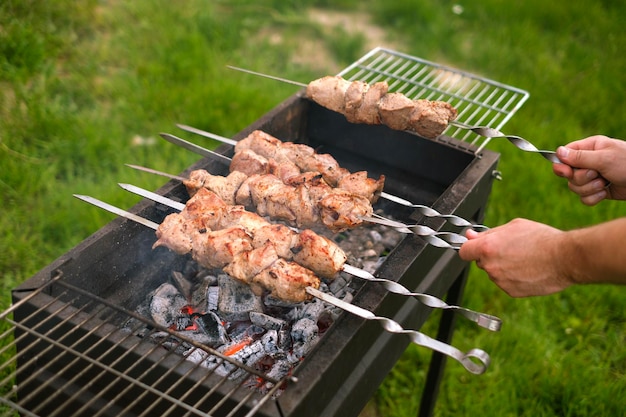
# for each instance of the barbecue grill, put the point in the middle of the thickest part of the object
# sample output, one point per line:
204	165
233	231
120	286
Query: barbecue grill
67	353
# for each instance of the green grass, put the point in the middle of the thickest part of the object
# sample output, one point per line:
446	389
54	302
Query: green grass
80	82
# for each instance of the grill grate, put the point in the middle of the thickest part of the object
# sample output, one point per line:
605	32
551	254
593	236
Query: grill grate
480	101
51	343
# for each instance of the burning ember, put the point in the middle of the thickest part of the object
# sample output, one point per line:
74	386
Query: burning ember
272	336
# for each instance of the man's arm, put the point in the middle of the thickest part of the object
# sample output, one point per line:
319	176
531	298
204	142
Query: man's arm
527	258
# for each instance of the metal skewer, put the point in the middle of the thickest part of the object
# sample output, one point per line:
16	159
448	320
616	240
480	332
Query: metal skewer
521	143
484	320
484	131
446	240
424	210
475	361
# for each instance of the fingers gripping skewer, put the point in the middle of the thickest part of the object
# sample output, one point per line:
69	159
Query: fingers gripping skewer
484	320
445	240
424	210
475	361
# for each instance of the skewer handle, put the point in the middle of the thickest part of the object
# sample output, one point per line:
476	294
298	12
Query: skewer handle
521	143
431	212
486	321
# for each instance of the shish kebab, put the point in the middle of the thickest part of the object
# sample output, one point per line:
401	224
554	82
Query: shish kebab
312	248
279	209
362	103
281	277
373	104
371	192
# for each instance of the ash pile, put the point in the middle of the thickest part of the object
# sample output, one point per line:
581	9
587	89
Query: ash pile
256	330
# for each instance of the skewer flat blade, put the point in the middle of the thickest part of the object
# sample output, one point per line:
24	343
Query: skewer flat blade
195	148
206	134
154	171
271	77
153	196
118	211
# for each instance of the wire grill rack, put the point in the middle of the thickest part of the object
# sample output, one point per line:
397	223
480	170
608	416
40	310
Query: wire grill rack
62	354
480	101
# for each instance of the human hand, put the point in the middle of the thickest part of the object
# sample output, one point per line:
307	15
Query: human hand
595	168
522	257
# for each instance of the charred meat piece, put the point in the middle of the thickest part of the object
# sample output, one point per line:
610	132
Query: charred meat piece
250	263
280	236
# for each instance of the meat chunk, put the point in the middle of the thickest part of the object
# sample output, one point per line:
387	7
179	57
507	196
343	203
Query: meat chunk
283	170
249	162
224	187
395	110
247	265
325	164
430	118
218	248
271	197
355	94
318	254
360	184
329	92
260	142
281	237
342	210
174	234
367	113
287	281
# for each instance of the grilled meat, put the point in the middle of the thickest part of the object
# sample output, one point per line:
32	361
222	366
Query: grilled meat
306	200
306	160
361	103
249	248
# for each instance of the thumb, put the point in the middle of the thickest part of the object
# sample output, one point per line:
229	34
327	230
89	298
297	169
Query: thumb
578	158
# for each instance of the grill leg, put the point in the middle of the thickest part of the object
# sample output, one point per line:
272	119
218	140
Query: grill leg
438	360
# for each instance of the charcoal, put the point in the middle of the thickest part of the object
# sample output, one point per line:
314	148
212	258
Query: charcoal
236	299
211	325
266	321
212	298
166	305
270	342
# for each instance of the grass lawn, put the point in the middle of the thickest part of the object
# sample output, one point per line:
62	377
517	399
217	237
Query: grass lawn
86	87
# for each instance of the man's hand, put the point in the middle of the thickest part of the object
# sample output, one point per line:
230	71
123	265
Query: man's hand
522	257
595	168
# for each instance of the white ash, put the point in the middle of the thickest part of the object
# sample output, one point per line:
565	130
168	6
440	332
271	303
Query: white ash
166	303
